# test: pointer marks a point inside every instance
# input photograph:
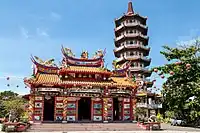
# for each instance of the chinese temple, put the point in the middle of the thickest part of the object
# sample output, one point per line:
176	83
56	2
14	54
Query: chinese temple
131	44
80	89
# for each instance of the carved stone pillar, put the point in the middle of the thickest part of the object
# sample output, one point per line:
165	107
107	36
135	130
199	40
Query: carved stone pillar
105	109
134	101
65	109
31	108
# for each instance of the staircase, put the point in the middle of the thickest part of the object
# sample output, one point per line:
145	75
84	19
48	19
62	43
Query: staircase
45	127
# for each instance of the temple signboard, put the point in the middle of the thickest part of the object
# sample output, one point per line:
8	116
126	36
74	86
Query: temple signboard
49	89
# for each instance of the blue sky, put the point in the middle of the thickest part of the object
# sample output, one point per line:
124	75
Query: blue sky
40	27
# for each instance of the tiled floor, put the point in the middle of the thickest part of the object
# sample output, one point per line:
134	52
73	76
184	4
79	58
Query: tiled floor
86	127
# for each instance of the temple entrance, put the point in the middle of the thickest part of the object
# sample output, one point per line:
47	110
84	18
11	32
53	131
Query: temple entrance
84	109
49	104
116	108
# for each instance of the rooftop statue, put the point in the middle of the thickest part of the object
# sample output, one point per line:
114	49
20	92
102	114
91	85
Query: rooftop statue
115	65
98	53
69	52
49	62
84	55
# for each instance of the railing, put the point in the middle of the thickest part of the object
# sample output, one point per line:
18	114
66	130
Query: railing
134	24
137	56
130	35
155	106
141	105
131	46
137	45
139	68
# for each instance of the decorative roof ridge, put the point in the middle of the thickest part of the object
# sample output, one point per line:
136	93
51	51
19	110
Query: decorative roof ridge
69	55
44	63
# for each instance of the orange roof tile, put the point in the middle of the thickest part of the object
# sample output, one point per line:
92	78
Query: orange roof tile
51	79
85	69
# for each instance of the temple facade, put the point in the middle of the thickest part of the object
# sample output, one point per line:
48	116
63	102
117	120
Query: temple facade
131	44
80	89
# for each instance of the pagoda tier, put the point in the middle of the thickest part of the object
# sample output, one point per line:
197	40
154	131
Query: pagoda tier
129	26
124	37
130	47
144	60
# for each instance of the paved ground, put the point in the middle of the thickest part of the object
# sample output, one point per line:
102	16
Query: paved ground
106	128
168	127
86	127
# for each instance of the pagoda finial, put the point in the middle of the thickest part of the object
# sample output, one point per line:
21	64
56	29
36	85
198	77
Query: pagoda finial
130	8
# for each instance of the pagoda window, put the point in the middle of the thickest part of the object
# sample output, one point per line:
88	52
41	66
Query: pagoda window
132	64
131	42
131	53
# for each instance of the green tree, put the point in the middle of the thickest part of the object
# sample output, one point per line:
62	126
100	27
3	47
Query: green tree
15	106
181	91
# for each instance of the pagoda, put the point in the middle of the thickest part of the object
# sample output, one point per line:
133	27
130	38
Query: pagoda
131	44
80	89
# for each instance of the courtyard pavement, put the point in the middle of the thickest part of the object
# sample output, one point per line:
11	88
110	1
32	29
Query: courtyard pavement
106	128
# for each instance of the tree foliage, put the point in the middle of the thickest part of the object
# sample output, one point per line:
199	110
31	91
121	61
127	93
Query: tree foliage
11	102
181	91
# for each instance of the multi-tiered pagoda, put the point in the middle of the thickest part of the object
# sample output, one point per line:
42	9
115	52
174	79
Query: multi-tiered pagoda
80	89
131	44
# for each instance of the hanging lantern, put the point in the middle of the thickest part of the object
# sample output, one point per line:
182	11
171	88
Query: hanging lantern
188	65
154	87
171	73
17	86
177	63
155	70
25	86
8	85
162	76
8	78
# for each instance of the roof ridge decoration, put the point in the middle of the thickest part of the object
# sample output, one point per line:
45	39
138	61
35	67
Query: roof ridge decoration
47	63
67	52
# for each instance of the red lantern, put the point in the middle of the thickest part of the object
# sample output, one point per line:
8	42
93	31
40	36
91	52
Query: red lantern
155	70
171	73
162	76
178	63
188	65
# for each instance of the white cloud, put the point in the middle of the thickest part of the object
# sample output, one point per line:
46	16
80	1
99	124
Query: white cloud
55	16
188	39
24	33
41	32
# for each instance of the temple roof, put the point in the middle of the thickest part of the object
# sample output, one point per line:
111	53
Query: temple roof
85	69
53	79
